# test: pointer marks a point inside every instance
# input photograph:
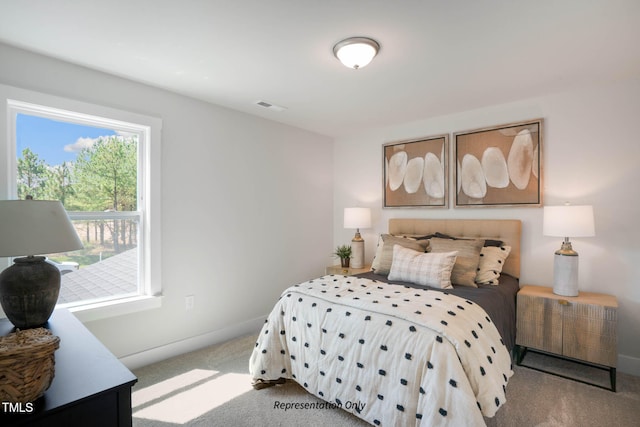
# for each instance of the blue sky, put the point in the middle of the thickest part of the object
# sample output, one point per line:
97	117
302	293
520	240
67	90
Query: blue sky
48	138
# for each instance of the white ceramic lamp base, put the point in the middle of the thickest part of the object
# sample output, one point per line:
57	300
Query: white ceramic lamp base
565	275
357	253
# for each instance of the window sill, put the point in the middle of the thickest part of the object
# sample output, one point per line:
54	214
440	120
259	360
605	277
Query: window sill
113	308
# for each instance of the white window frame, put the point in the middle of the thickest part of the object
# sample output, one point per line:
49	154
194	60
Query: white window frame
149	131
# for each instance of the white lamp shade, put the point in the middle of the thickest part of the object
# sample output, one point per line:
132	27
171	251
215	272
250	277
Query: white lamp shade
357	217
35	227
568	221
356	52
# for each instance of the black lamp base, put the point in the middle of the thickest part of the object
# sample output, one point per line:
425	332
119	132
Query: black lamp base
29	291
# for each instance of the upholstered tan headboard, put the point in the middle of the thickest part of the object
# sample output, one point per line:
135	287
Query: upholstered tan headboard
507	230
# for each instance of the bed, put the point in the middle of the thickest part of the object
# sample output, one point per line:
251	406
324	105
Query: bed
404	346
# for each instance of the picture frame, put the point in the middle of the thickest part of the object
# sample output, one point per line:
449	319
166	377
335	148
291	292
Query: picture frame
415	173
499	166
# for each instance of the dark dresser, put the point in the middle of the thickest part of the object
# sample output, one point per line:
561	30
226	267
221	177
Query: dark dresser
91	386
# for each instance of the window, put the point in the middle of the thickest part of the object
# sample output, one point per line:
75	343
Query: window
99	168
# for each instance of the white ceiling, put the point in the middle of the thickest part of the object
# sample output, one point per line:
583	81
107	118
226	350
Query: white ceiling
437	56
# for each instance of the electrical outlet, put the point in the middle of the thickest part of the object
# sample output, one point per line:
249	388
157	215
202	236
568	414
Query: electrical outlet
189	302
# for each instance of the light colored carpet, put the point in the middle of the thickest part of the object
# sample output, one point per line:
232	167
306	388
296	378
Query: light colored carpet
211	387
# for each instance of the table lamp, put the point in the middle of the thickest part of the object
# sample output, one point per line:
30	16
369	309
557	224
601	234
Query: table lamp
29	289
357	218
567	221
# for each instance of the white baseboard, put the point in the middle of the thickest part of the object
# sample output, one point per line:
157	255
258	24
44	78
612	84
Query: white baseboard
629	365
153	355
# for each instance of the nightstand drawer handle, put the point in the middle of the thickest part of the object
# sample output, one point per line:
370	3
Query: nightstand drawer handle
563	302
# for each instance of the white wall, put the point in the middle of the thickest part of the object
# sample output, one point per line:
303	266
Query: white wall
591	156
242	199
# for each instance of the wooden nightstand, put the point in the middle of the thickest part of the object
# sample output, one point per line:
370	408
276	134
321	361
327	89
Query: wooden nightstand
581	329
336	269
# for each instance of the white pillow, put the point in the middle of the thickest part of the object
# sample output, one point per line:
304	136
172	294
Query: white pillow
491	263
426	269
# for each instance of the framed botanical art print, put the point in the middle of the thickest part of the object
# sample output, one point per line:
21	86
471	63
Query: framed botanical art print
415	173
499	166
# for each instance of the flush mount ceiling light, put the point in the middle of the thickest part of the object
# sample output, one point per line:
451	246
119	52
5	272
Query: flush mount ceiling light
356	52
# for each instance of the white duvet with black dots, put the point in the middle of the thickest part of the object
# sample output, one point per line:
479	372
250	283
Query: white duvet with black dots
390	354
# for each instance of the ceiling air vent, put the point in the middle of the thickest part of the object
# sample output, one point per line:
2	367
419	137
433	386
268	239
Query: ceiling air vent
270	106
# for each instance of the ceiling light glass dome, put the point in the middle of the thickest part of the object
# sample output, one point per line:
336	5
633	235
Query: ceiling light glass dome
356	52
